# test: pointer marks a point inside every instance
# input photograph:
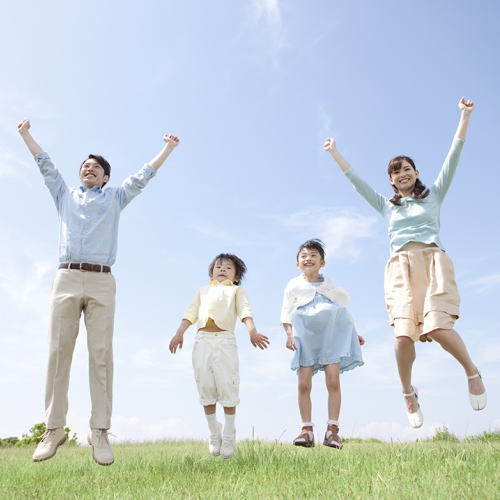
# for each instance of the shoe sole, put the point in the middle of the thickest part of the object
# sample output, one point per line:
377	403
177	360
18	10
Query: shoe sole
304	445
93	456
336	446
63	440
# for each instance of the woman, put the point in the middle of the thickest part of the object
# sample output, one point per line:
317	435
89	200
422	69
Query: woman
420	290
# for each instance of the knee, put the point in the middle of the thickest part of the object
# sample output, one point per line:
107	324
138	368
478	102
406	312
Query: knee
439	334
333	384
402	344
305	387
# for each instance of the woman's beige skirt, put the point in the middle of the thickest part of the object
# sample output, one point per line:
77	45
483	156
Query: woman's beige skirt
421	294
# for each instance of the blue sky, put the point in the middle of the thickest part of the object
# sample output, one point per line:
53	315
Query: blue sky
252	88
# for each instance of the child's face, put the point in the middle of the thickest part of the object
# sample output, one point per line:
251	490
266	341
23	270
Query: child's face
224	270
310	260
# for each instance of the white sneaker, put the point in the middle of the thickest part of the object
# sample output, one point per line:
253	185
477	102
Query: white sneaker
228	445
47	447
215	441
416	419
101	449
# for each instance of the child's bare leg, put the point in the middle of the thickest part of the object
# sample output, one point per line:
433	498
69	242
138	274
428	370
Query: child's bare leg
209	409
332	379
305	386
451	341
230	410
405	356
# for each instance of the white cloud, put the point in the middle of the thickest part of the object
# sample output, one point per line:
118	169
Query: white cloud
270	9
338	228
485	284
11	162
270	12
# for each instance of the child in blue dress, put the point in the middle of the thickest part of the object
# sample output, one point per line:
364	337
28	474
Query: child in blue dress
321	331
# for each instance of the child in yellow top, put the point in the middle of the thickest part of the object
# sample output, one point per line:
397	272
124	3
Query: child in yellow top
215	358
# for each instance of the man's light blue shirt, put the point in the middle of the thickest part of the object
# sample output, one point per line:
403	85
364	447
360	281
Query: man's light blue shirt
414	220
88	230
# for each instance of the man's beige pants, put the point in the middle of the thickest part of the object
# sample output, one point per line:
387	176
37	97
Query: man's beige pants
93	293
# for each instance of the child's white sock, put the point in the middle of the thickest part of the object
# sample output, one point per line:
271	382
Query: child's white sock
307	424
212	423
229	428
332	422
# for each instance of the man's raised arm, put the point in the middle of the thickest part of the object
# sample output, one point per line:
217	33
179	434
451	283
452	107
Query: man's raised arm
24	130
171	141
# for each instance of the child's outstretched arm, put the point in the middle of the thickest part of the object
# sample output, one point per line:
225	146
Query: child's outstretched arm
171	142
257	339
178	339
290	341
466	108
331	148
24	130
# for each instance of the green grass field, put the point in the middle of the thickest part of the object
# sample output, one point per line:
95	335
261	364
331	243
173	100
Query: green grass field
432	469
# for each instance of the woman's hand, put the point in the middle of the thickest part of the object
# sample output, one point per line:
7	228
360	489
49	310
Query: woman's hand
329	145
466	106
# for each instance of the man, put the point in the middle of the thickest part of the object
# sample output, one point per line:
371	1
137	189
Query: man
89	217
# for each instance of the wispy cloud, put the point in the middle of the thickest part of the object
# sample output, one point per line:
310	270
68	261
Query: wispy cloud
269	12
485	284
340	229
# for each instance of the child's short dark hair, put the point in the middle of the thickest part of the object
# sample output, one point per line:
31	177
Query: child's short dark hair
315	244
239	265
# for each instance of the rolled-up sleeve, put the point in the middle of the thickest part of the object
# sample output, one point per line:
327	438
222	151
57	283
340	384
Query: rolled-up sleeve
243	309
134	184
193	309
52	178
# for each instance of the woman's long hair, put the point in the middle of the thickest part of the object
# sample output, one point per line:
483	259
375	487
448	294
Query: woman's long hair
419	190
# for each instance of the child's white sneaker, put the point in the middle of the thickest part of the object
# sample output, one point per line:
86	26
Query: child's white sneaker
228	445
215	441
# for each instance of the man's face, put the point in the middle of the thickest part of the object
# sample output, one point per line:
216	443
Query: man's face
92	174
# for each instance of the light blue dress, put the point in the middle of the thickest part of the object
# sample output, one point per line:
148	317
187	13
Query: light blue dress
324	334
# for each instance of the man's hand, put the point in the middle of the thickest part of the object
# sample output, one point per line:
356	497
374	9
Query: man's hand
329	145
259	340
361	340
290	343
23	127
466	106
172	141
176	342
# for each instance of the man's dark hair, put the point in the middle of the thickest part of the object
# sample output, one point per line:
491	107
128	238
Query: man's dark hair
239	265
102	162
419	191
315	244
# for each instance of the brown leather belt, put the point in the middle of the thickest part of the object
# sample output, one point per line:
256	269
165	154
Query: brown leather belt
83	266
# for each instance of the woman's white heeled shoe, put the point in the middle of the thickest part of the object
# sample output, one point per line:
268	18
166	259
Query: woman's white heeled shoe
416	419
477	401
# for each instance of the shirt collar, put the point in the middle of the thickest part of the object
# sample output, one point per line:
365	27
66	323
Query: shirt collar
95	189
224	283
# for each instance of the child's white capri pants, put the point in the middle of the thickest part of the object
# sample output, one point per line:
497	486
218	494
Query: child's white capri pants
216	368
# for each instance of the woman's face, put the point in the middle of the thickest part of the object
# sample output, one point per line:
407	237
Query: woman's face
404	179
